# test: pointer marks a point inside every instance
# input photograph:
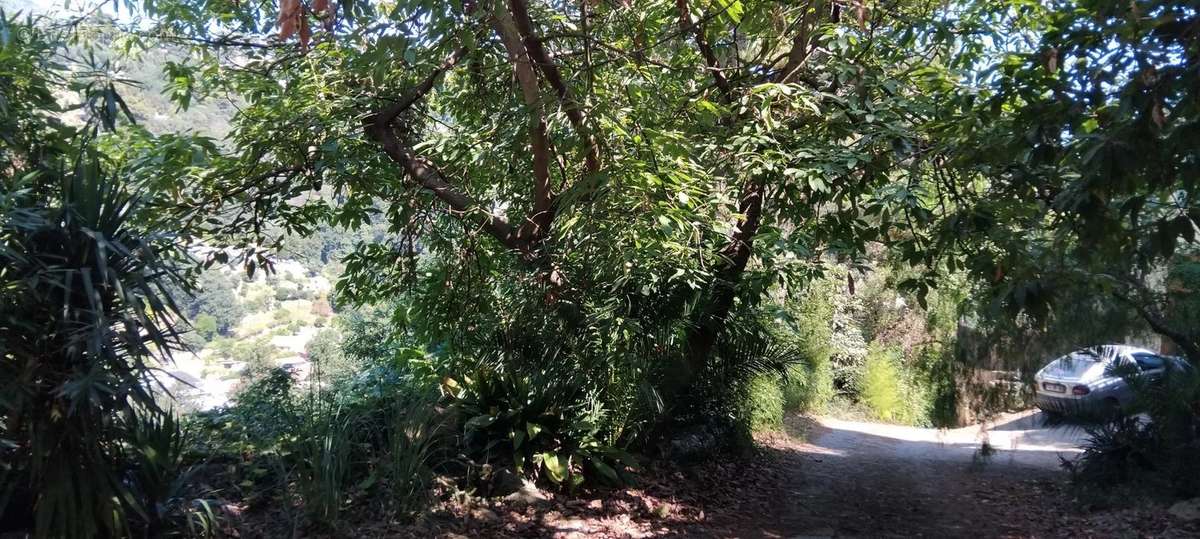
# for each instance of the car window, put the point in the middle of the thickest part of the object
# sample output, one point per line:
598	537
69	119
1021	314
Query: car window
1148	361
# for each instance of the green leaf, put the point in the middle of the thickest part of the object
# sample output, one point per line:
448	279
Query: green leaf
606	471
479	422
556	470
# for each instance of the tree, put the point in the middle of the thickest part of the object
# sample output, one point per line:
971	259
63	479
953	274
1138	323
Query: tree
1074	156
206	326
215	297
609	183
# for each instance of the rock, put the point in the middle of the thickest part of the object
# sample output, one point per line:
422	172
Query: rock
527	494
505	481
1188	510
484	515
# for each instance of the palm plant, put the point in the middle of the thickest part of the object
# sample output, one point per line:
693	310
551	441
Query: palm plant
85	320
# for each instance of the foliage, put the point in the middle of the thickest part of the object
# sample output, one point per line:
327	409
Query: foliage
880	386
767	165
598	224
889	390
416	446
324	451
257	354
1115	452
809	385
1154	443
215	296
84	272
206	325
765	404
264	409
1072	163
546	424
155	444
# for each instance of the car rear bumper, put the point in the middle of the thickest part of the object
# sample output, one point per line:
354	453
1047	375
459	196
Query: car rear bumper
1062	405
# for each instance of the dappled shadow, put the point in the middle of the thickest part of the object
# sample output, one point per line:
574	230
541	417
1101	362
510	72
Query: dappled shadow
812	479
1038	430
817	479
844	481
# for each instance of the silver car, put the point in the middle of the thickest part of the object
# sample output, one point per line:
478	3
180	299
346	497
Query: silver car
1092	379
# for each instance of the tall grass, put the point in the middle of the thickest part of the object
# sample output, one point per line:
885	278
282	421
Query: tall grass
416	444
765	403
891	390
325	463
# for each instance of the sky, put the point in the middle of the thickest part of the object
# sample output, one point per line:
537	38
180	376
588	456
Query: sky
65	7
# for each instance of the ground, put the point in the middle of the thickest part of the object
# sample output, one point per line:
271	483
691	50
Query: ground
819	477
829	478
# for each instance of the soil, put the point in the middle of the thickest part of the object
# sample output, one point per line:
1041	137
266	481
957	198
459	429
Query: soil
831	478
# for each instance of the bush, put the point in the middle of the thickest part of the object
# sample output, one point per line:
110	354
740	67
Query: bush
83	316
1115	452
765	404
808	386
324	451
889	389
1159	455
206	326
880	387
543	424
416	444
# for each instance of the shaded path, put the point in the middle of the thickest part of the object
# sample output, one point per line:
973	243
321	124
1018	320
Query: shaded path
874	480
830	478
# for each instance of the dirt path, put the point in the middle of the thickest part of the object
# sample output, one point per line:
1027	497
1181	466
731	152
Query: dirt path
830	478
1018	439
853	479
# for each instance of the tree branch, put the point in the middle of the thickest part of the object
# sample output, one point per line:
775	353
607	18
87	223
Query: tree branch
418	92
799	51
379	128
1157	323
553	76
428	177
706	51
537	225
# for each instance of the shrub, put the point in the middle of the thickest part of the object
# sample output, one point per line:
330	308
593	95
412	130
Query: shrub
1115	452
808	385
765	403
324	451
890	389
881	387
206	326
158	479
544	424
264	411
416	444
1161	454
83	317
808	388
